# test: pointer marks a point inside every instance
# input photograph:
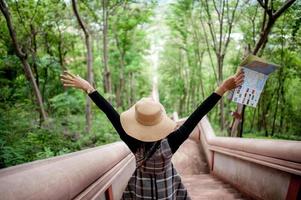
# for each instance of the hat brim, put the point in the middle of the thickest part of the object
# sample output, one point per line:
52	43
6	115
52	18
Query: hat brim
146	133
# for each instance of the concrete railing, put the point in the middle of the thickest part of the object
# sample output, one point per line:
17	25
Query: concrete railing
96	173
259	168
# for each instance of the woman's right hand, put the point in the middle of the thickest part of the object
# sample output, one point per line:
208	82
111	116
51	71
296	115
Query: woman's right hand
231	82
70	80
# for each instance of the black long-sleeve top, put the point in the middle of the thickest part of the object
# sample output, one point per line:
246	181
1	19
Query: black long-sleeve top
175	138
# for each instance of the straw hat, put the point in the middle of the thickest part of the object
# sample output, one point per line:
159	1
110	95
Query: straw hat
147	121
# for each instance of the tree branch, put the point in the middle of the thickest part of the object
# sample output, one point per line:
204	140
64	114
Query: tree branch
211	29
112	8
81	23
208	50
221	24
6	13
230	26
22	56
218	13
21	17
35	12
285	6
262	4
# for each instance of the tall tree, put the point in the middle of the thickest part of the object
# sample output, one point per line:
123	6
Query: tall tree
23	58
220	35
106	71
89	62
128	39
270	16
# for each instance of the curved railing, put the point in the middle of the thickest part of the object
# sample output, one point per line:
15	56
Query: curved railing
96	173
259	168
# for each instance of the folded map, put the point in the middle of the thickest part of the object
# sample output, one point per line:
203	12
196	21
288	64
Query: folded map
256	72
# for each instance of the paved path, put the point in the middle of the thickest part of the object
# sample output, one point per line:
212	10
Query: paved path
191	164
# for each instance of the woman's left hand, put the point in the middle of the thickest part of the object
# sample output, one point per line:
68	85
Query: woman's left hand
231	82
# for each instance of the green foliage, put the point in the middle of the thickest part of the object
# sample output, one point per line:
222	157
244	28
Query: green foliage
186	75
50	36
279	111
69	102
21	139
279	136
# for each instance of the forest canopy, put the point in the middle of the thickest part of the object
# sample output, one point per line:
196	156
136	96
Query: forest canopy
123	48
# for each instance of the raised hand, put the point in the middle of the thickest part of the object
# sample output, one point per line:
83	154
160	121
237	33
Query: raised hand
231	82
234	81
70	80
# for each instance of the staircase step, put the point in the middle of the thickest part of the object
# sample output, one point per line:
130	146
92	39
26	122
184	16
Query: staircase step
190	163
205	186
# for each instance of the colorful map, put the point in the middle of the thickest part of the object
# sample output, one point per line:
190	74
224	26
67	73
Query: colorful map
249	92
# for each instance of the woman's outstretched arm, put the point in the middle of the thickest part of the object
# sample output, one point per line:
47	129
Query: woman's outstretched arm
71	80
176	138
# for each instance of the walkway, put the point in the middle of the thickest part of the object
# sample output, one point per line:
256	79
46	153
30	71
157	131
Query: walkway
191	165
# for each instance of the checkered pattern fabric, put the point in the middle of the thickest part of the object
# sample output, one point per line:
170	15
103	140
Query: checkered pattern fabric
155	178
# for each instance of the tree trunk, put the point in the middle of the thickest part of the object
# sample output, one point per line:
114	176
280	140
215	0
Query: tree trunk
132	88
253	120
201	73
48	50
264	36
189	79
182	97
23	58
121	79
199	53
221	38
89	63
258	116
265	114
60	50
106	71
34	59
220	61
34	53
121	72
277	100
282	105
209	51
90	80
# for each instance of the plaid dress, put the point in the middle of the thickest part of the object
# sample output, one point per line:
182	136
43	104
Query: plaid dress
155	177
